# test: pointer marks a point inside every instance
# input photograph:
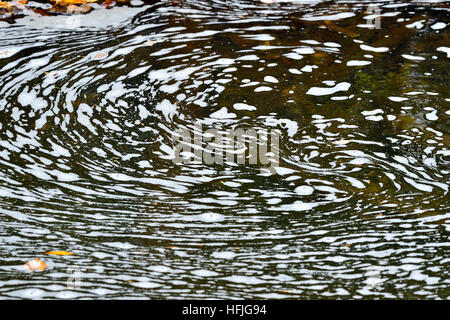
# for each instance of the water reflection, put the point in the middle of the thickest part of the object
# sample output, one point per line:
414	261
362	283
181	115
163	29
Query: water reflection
359	204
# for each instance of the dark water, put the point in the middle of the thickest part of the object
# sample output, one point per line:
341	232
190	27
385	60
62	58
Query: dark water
359	207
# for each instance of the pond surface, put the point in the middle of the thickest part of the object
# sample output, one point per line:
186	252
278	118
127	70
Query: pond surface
358	207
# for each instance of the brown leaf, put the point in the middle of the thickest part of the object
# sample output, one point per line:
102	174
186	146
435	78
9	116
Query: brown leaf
36	265
100	55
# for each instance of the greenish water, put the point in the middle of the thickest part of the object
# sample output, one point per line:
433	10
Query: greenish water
359	207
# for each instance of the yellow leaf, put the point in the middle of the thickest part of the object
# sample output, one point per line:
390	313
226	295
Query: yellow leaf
60	253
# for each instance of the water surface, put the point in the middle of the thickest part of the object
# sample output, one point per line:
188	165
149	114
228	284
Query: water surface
359	207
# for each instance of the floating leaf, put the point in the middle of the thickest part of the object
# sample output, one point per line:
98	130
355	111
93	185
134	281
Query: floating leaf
5	53
69	2
341	142
285	291
78	9
100	55
60	253
10	4
36	265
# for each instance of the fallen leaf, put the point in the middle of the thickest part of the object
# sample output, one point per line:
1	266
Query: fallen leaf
150	42
13	4
60	253
78	9
341	142
285	291
69	2
36	265
100	55
108	3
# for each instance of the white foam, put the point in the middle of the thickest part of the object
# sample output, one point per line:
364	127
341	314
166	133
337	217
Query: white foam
270	79
309	68
373	49
84	114
244	106
223	114
318	91
417	25
410	57
263	88
260	37
304	50
250	57
432	116
372	112
293	55
223	255
145	284
137	71
204	273
304	190
444	49
310	41
337	16
438	26
289	125
167	108
98	18
9	52
210	217
244	279
297	206
374	118
295	71
332	44
419	186
358	63
397	99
